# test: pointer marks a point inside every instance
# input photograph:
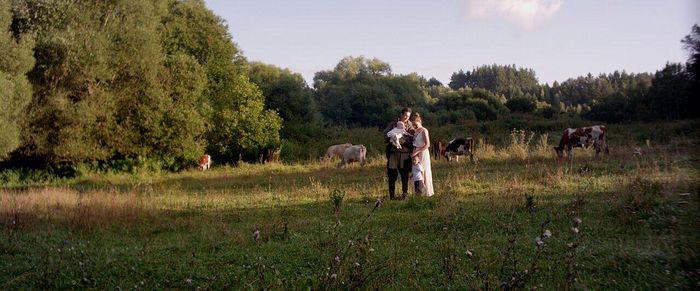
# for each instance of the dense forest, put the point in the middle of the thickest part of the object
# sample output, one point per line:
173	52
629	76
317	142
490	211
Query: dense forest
102	81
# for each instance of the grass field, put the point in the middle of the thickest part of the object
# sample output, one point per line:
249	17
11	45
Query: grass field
514	219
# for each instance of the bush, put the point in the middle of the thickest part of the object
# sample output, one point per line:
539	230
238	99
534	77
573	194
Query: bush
521	104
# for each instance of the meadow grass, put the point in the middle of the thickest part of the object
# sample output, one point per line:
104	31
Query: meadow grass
514	219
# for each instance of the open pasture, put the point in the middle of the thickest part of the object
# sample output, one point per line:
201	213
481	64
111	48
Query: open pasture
514	219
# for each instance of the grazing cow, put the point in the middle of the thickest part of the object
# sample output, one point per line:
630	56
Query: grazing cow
204	162
458	147
582	137
354	153
335	150
439	149
267	155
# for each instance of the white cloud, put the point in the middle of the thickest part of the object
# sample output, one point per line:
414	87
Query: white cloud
525	14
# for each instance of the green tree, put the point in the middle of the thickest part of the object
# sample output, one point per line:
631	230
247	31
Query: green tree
691	43
15	61
501	80
668	95
289	95
238	124
363	92
478	103
521	104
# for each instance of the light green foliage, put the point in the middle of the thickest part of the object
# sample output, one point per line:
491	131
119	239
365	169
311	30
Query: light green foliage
238	123
184	118
15	94
155	79
96	79
288	94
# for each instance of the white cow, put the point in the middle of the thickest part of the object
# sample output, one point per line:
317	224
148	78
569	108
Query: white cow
356	153
335	150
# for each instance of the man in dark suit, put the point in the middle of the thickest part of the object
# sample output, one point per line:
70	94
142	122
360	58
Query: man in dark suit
398	160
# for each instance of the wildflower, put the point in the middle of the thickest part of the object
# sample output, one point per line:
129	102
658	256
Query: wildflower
539	242
574	229
66	242
571	245
577	221
378	203
547	233
337	259
469	253
256	235
188	280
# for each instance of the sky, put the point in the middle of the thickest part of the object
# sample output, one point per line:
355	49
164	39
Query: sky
558	39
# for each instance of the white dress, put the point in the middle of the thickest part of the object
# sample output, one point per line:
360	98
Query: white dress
419	141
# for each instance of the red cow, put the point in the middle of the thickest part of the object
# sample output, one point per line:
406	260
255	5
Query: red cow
439	149
583	137
267	155
204	162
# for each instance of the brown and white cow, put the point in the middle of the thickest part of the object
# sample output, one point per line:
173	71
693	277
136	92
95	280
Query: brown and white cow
460	146
204	162
583	137
356	153
335	150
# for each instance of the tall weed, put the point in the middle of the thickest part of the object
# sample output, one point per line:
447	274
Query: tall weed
519	147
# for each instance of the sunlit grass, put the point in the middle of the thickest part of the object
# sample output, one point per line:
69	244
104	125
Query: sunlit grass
197	229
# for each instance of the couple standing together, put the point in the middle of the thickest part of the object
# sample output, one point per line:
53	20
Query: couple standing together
407	152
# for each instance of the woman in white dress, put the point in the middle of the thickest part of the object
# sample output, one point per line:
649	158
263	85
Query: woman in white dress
421	143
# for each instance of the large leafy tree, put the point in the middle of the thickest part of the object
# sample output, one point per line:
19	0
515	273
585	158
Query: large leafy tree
125	79
97	82
288	94
473	103
15	61
363	92
238	124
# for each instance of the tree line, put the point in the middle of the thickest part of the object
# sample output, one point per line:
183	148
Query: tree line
100	81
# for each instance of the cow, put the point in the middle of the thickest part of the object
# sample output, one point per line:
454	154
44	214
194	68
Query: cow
204	162
582	137
267	155
356	153
460	146
335	150
439	149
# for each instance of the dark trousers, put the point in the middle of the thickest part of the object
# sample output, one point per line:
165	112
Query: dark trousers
419	186
393	175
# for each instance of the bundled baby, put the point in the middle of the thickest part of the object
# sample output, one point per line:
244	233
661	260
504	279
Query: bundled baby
397	133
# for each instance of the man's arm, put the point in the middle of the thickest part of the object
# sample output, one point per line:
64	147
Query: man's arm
388	128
